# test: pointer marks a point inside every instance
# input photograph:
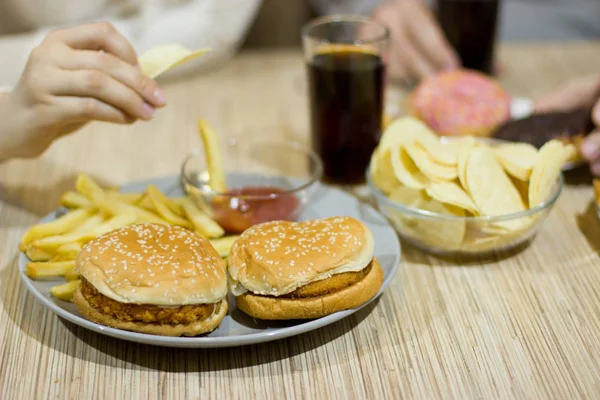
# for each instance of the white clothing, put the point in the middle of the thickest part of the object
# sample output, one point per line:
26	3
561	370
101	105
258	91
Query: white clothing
218	24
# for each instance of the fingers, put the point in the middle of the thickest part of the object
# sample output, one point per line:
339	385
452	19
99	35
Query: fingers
119	70
590	149
396	69
405	61
84	109
97	36
416	64
581	92
100	86
419	48
596	113
430	41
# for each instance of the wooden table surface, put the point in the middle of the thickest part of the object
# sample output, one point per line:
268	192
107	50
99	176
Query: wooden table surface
521	327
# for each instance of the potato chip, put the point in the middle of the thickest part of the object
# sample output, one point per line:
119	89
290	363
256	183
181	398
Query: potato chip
160	59
467	145
459	177
444	153
432	170
491	189
546	170
487	243
382	171
406	129
410	197
522	188
481	237
517	159
438	233
405	169
451	193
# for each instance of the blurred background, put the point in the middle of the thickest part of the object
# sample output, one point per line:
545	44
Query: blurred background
278	22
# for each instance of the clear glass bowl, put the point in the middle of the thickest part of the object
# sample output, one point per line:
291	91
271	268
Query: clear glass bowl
454	236
266	180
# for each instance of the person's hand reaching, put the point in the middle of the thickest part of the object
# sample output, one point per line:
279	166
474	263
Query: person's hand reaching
75	76
582	92
419	47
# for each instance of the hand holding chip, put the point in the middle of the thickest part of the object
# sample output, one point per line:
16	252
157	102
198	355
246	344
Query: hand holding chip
74	76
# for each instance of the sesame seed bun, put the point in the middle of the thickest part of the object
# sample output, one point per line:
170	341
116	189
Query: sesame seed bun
154	264
290	270
277	308
276	258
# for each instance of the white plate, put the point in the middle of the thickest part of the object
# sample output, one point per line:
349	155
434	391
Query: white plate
238	329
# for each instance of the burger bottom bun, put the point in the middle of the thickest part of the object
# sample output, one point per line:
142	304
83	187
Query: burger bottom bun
274	308
193	329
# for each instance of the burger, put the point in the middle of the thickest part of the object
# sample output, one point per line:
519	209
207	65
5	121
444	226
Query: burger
303	270
152	278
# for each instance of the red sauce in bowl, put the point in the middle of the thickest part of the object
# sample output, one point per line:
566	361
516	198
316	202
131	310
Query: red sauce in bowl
236	214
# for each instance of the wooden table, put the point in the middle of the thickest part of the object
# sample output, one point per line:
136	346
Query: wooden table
522	327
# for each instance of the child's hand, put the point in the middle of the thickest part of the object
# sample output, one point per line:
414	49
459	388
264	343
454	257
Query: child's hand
75	76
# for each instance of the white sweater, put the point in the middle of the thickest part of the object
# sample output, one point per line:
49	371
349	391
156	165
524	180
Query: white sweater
219	24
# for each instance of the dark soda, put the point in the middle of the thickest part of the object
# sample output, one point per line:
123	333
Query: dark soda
470	27
346	104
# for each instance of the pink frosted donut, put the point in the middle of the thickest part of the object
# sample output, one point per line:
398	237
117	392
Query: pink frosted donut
461	102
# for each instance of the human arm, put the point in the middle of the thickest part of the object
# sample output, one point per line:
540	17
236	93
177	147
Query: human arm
218	24
68	82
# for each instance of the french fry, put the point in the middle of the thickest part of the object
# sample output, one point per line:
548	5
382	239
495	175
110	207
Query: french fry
223	245
174	204
61	225
116	222
72	275
50	244
82	236
49	269
86	186
89	224
68	251
203	224
129	198
175	207
161	205
75	200
178	202
35	254
65	291
145	203
214	160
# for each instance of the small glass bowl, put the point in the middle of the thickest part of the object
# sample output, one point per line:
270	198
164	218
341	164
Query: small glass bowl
266	180
454	236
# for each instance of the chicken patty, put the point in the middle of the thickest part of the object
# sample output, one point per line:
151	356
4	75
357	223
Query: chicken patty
145	312
330	285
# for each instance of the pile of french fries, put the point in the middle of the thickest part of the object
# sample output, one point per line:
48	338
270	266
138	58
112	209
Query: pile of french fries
93	211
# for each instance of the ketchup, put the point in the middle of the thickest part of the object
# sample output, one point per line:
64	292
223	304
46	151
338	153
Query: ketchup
236	214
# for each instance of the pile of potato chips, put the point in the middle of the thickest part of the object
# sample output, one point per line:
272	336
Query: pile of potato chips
463	177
